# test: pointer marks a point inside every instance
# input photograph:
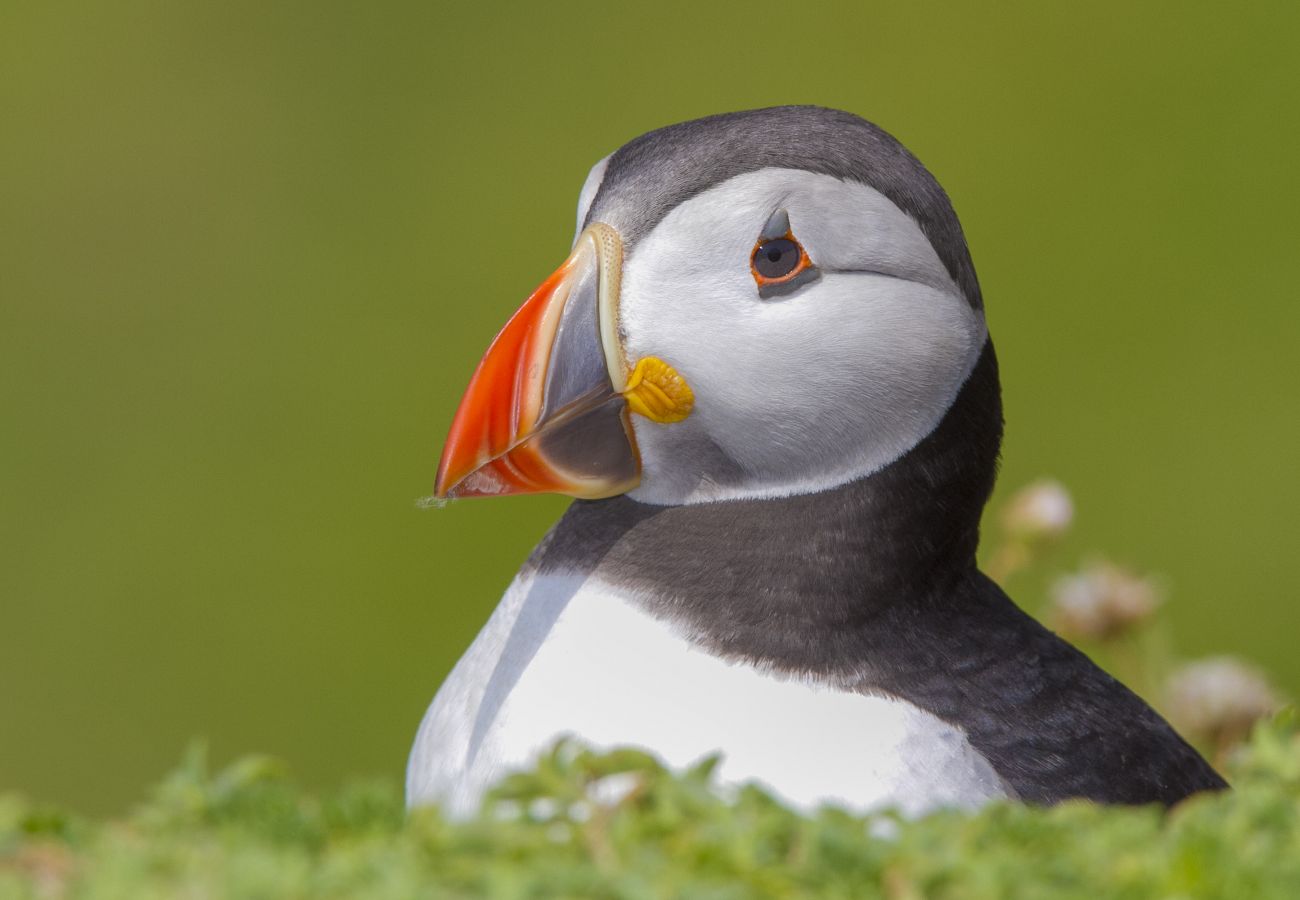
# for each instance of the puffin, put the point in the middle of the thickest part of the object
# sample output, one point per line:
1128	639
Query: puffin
765	375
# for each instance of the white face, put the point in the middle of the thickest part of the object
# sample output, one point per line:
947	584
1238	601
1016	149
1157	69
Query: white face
804	391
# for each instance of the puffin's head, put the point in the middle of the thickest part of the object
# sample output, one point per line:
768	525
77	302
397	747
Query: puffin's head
757	304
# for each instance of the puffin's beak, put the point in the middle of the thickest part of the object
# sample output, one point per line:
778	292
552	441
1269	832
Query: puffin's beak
545	410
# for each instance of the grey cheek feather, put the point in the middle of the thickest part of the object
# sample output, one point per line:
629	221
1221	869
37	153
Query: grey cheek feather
803	384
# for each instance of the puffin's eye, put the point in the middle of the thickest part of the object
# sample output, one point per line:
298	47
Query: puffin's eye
776	259
780	264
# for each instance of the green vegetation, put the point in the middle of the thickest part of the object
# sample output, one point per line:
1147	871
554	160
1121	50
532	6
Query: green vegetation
618	825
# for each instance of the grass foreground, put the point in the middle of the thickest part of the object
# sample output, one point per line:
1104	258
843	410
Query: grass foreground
618	825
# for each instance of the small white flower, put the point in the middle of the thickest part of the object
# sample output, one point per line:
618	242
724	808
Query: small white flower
1219	699
1100	602
507	810
1042	510
612	789
883	828
543	808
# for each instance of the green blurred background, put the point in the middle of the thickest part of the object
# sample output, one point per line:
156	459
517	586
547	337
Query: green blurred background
250	253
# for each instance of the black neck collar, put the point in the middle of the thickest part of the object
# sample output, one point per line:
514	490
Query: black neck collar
783	582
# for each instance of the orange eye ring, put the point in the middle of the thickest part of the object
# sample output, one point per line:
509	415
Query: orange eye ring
777	261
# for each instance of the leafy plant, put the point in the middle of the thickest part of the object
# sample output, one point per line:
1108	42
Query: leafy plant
620	826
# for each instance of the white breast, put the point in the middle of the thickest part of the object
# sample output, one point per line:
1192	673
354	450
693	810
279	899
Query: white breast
564	656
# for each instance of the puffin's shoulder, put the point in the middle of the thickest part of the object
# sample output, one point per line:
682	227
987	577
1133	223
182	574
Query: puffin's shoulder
1051	722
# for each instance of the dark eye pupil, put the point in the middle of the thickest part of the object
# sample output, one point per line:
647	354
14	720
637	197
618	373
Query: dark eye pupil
776	258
